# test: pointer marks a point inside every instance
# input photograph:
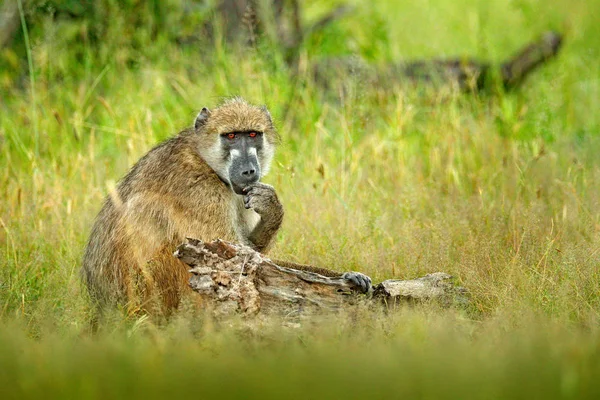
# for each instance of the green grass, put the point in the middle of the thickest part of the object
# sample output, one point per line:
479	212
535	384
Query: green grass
499	190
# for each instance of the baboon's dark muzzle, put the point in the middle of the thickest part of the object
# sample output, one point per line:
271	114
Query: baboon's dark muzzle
244	171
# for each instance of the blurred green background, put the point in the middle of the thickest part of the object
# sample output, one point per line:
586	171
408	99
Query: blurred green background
498	188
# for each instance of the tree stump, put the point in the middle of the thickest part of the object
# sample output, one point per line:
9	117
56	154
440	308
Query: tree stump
234	278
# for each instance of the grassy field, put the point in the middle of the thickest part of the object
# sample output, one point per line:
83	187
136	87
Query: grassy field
500	190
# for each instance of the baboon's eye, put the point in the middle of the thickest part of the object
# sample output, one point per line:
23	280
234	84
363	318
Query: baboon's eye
252	134
231	135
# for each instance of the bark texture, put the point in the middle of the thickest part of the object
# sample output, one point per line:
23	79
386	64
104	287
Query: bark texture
232	278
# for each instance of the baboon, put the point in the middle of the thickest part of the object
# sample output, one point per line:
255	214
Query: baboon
203	183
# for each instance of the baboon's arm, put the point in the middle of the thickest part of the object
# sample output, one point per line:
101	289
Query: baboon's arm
309	268
262	236
263	200
360	280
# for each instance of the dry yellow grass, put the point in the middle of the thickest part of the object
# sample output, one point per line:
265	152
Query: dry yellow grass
499	190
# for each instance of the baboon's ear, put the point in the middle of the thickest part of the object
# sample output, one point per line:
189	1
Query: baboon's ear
267	113
202	117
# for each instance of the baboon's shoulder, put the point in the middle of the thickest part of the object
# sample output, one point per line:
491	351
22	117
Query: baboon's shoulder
167	163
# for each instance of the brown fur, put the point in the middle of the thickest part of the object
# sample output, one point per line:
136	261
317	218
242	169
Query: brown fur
173	192
236	115
170	194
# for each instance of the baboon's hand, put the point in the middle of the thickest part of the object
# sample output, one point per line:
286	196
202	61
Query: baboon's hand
361	281
262	198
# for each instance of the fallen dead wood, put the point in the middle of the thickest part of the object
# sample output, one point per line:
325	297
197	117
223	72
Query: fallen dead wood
462	73
236	279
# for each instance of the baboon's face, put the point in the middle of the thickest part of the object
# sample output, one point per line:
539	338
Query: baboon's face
242	150
237	142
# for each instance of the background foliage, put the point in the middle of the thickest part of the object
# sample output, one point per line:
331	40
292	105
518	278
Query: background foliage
500	190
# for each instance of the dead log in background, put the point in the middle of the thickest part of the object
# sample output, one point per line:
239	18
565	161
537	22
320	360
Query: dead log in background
477	75
232	278
463	73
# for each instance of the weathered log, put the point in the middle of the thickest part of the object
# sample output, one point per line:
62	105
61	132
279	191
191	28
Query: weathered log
233	278
438	286
463	73
471	74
